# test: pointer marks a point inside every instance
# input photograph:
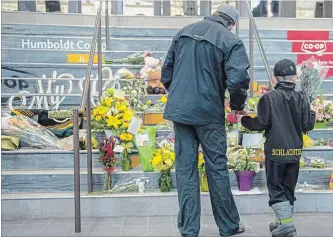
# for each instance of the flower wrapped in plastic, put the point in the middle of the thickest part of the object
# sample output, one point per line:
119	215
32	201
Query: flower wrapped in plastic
129	185
312	74
32	133
134	59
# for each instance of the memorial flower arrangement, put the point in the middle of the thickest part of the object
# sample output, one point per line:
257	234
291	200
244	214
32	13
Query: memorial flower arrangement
133	59
312	74
163	161
202	173
109	161
323	109
136	90
114	113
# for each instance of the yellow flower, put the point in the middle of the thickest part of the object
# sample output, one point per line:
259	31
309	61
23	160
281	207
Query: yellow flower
108	101
164	99
125	124
96	111
127	115
103	110
126	137
113	121
121	106
157	160
98	118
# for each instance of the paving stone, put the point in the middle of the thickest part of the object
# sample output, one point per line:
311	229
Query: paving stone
7	229
133	231
88	228
109	227
136	221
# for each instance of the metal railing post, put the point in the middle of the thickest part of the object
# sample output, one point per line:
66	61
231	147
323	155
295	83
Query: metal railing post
99	49
107	32
77	204
89	146
251	56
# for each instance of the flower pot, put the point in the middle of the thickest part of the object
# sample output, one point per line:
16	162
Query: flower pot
100	136
245	179
153	118
165	181
126	162
108	178
320	125
252	140
203	182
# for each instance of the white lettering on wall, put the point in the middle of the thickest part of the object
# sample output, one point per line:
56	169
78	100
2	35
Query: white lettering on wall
59	44
54	102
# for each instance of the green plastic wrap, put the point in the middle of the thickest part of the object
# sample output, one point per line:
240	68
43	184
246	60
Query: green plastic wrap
146	152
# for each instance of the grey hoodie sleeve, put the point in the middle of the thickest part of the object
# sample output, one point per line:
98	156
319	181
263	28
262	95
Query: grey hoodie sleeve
236	65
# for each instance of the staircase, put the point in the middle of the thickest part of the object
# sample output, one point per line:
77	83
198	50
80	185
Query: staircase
39	183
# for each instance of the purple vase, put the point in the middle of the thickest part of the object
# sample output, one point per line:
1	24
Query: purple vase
245	179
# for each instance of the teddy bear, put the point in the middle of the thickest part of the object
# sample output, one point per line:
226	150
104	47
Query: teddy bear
152	73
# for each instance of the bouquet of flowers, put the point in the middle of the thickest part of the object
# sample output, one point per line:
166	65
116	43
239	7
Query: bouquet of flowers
133	59
108	159
32	133
107	155
323	109
163	161
136	91
312	74
112	113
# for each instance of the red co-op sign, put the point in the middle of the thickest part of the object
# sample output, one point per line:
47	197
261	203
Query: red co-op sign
312	44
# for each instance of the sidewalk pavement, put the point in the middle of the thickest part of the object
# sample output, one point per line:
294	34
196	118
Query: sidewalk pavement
308	224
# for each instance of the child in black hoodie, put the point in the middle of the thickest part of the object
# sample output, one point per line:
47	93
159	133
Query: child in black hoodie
284	114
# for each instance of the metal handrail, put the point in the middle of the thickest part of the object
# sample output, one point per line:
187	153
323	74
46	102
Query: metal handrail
85	104
261	48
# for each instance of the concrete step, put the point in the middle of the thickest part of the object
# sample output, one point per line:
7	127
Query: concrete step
151	203
61	56
119	43
62	180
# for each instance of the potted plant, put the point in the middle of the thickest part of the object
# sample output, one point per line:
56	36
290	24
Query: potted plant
163	161
245	168
108	159
202	173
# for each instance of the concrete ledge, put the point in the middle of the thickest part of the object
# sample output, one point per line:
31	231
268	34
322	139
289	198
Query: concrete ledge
146	205
48	181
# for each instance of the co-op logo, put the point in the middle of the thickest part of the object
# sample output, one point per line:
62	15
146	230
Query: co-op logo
314	47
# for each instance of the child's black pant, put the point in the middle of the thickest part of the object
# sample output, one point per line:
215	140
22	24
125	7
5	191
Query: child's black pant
281	181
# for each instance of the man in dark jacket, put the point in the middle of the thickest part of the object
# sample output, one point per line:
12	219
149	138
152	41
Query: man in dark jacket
284	114
204	60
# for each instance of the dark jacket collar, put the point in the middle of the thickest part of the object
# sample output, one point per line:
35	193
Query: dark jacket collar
217	19
285	86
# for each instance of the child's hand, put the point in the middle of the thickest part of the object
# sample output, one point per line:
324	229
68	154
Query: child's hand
238	113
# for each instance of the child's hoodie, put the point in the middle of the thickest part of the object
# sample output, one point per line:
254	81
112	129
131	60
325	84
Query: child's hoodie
284	114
